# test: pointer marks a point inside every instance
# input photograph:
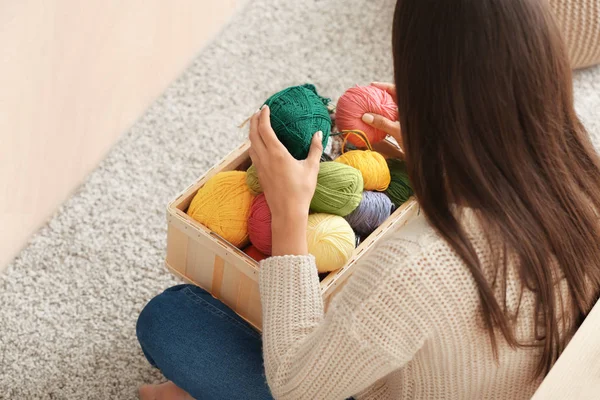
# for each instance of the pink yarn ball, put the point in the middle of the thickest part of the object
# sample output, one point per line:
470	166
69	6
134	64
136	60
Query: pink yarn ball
259	225
359	100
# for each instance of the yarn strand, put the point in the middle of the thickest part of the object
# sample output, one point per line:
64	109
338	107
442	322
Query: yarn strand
360	134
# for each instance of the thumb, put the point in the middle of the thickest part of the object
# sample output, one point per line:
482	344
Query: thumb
382	123
316	148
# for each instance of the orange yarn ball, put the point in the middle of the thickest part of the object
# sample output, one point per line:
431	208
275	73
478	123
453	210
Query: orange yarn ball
372	166
223	206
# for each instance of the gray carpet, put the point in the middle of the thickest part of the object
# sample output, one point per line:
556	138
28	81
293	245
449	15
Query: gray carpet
69	302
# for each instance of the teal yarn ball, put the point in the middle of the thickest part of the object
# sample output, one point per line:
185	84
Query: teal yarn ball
400	189
339	189
297	113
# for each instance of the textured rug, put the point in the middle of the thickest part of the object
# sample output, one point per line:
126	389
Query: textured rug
69	301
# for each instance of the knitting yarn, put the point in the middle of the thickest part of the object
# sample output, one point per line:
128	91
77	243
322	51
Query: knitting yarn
297	113
400	189
339	189
372	166
330	240
372	211
359	100
252	181
254	253
223	206
259	224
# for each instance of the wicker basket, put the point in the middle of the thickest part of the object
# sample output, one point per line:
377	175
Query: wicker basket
205	259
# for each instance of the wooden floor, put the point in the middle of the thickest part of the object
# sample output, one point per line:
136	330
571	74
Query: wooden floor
74	76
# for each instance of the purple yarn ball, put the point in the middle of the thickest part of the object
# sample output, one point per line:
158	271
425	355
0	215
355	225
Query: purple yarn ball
373	209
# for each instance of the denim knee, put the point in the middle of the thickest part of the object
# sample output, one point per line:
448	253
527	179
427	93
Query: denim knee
201	345
146	324
152	326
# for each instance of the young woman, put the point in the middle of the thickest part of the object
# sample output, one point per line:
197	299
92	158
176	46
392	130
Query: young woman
480	294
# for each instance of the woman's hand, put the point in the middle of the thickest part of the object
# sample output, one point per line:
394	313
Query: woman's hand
288	184
380	122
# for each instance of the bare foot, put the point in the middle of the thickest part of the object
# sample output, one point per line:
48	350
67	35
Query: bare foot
147	392
164	391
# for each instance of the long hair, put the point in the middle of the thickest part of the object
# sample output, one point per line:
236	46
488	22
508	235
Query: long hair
485	100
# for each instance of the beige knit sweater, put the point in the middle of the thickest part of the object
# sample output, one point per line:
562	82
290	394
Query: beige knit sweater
407	325
579	22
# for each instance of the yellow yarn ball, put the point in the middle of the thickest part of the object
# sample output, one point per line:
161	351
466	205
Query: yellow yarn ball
372	165
330	240
223	206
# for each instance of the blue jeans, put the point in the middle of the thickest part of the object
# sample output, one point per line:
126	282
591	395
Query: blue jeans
202	346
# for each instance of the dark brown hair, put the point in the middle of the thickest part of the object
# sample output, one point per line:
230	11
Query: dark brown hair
485	100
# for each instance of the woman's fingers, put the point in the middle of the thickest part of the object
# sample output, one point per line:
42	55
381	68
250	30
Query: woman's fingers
267	133
253	156
388	87
255	140
316	149
380	122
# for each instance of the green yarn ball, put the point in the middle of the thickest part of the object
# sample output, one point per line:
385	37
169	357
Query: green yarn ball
339	189
400	189
252	181
297	113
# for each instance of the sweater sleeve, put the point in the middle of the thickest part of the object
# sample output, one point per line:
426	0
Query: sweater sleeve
373	326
